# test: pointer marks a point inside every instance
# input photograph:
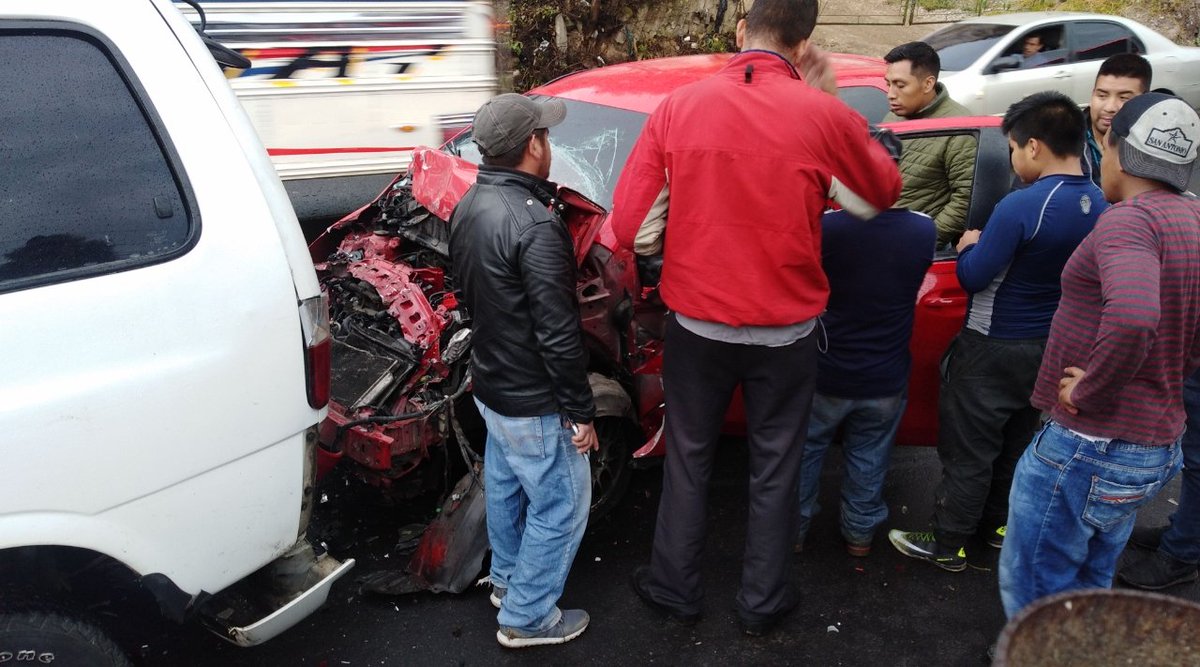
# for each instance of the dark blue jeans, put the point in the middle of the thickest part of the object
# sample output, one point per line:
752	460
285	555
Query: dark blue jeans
869	429
1071	511
1182	539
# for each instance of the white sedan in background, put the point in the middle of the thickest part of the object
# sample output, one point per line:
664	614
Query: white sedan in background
992	61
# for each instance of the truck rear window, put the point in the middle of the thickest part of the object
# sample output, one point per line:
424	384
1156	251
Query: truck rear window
85	183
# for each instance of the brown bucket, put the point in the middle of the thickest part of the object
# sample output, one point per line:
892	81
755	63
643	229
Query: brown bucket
1098	627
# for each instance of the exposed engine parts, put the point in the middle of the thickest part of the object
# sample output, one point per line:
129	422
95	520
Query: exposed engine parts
402	340
399	339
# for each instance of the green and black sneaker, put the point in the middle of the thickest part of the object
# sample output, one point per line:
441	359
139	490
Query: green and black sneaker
995	538
925	547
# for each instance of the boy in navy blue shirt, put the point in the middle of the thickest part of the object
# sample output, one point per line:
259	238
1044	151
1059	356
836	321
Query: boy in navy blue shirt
1011	270
875	268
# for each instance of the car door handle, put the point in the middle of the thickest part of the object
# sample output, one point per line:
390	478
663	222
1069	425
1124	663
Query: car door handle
945	302
1061	74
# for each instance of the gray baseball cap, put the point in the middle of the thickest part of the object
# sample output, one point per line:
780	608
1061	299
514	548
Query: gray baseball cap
506	121
1160	136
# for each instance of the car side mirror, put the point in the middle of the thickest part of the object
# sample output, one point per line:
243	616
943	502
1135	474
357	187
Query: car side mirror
1005	63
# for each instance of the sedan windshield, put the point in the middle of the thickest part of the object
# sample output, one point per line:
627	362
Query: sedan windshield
588	149
961	44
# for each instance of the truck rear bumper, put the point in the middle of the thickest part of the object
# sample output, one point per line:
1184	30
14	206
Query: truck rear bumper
229	620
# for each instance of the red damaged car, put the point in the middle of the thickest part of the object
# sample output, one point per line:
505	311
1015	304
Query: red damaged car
401	339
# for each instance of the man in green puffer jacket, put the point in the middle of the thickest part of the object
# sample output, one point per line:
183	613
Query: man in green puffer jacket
937	171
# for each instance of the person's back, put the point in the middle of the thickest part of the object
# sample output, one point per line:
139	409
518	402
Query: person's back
875	268
725	135
740	166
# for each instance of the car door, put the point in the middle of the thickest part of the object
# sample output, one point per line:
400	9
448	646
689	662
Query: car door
1011	76
941	301
1090	42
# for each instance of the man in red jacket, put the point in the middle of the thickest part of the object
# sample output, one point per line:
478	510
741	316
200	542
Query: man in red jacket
728	181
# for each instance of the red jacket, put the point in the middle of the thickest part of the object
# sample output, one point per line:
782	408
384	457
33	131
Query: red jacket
744	162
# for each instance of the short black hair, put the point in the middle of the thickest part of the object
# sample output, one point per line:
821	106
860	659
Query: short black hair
786	22
922	57
1127	64
512	158
1050	117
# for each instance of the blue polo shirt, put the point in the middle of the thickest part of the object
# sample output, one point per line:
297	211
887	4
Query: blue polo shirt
875	268
1012	274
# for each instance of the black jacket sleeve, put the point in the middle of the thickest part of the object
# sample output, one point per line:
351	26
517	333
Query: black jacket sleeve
548	273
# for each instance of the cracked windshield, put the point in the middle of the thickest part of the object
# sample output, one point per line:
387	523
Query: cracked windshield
590	148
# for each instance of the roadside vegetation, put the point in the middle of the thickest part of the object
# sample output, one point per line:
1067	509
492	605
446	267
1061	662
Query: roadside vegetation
546	39
549	39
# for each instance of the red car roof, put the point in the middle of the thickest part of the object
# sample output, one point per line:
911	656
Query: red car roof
641	85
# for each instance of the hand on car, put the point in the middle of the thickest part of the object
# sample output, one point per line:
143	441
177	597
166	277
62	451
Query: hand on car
817	72
584	438
969	237
1066	385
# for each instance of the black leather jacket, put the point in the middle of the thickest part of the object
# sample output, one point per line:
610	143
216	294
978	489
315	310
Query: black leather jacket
515	263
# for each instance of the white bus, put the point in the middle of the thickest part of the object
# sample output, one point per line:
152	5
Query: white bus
340	91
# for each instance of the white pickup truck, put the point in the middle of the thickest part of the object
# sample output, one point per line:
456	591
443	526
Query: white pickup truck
166	345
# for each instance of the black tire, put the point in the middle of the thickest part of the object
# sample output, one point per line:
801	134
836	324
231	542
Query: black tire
40	637
610	464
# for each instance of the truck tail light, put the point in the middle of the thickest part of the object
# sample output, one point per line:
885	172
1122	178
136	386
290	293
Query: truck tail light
314	325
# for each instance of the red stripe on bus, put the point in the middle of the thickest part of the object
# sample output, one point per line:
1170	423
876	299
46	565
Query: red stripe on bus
328	151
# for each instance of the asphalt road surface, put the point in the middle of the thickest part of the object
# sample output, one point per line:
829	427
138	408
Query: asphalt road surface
881	610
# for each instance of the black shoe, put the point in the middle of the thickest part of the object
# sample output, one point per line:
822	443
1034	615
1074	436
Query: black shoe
758	625
925	547
1156	571
1146	537
995	538
641	576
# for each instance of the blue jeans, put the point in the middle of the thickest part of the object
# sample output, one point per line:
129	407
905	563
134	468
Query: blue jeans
869	430
538	490
1071	511
1182	539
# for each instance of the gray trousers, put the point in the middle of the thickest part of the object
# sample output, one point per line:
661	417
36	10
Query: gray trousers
699	377
985	422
